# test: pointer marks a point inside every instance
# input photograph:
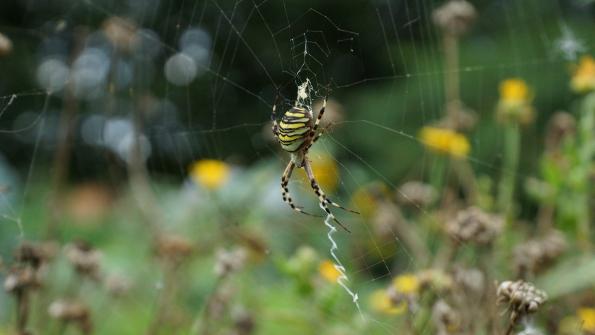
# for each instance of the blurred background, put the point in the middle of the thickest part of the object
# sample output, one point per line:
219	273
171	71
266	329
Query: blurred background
140	181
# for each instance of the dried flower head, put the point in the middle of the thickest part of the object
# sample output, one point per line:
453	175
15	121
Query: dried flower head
469	280
387	217
72	312
455	17
458	116
445	141
434	279
230	261
416	194
21	278
561	126
243	321
445	318
85	259
117	285
35	255
173	248
536	255
522	298
473	225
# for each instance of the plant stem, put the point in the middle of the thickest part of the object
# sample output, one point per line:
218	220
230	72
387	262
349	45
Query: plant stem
512	146
586	156
22	312
61	163
437	173
466	177
451	73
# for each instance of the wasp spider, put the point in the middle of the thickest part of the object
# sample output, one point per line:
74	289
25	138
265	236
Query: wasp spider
296	132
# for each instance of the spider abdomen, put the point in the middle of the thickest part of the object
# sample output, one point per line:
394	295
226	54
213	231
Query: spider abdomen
294	127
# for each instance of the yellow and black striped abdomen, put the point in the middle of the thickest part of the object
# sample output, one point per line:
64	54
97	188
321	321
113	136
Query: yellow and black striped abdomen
293	129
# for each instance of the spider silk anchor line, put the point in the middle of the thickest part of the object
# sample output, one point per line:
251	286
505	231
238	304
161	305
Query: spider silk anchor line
343	279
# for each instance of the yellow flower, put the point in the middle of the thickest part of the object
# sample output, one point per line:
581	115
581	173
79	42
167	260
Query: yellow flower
445	141
381	303
210	173
515	101
583	79
406	284
328	271
515	91
326	172
587	316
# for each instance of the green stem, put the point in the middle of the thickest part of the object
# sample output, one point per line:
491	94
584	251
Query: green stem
437	173
586	157
512	148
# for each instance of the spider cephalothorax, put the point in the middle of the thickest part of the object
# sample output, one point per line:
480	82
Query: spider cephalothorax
296	132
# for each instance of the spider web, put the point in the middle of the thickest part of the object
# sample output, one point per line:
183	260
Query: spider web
223	110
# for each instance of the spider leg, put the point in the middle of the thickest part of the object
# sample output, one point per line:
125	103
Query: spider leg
275	126
318	118
285	189
316	137
321	196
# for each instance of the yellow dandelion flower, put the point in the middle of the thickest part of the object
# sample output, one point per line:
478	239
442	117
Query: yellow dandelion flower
445	141
515	91
326	171
583	79
380	302
587	317
328	271
515	101
406	284
210	173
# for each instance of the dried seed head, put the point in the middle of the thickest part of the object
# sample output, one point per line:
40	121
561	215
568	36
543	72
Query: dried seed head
72	312
536	255
471	281
458	117
454	17
21	278
445	318
174	248
473	225
35	255
85	259
416	194
386	218
243	321
560	126
434	279
521	297
117	285
229	261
